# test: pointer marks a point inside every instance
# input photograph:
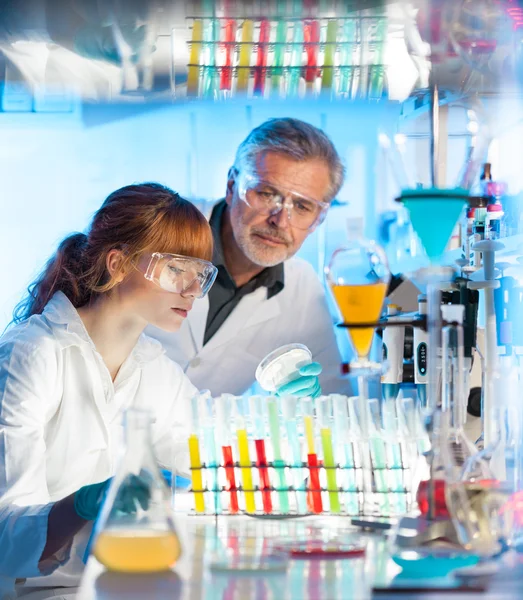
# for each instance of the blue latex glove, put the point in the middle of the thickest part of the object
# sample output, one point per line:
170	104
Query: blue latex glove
133	491
307	384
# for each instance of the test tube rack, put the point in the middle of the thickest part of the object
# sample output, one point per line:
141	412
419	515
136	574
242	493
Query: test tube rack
280	57
370	472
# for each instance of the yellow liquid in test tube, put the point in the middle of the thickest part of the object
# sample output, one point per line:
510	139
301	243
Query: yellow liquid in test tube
360	304
137	551
196	474
244	61
245	461
193	75
309	434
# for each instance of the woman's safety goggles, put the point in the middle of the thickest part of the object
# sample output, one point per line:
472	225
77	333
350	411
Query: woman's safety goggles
266	198
181	274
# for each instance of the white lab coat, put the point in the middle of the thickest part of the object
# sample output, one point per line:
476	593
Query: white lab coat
60	429
257	326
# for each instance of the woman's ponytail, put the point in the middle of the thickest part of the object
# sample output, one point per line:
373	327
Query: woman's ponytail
65	272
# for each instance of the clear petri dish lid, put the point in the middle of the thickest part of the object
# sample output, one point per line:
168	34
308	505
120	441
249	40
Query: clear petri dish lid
280	366
250	562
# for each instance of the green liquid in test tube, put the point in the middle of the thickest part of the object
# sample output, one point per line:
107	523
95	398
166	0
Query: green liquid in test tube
377	71
346	58
279	464
299	474
391	427
279	53
211	81
379	458
345	452
329	54
296	59
329	462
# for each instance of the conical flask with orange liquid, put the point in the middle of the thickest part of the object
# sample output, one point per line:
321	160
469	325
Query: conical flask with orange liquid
135	532
358	277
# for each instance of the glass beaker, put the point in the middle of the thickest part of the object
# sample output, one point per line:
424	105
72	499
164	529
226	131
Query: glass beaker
135	532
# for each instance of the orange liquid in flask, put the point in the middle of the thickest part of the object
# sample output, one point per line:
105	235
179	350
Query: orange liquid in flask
360	304
137	551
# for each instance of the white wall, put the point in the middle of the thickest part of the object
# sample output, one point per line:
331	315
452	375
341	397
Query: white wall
56	170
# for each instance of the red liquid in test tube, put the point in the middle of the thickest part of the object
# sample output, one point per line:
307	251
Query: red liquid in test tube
260	72
229	41
314	495
311	36
231	481
265	483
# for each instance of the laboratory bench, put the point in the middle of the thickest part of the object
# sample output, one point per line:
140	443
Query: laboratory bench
206	539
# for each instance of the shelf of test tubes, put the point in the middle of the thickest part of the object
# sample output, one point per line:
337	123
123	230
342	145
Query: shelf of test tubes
288	456
287	57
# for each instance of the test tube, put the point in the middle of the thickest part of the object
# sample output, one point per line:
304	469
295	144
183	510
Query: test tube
207	424
362	458
229	42
279	464
195	459
346	57
193	76
260	72
377	71
244	61
329	54
296	59
345	452
393	452
243	453
223	414
210	83
289	404
311	35
329	461
378	455
279	53
256	404
314	497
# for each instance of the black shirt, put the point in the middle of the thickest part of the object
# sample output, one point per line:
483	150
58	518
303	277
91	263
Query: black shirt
224	296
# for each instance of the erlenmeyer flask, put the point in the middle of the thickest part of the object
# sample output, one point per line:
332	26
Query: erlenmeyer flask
135	532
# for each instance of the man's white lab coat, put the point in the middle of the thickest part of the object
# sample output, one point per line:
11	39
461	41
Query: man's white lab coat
61	429
257	326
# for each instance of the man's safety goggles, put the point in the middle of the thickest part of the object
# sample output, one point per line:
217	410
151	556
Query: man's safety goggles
266	198
181	274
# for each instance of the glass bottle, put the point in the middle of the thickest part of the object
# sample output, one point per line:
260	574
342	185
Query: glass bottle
135	532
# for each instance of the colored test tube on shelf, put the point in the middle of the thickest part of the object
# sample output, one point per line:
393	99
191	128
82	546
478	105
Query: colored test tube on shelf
393	453
345	452
229	42
207	421
377	70
195	458
289	406
329	55
314	497
279	53
245	51
311	36
378	456
295	66
361	448
278	462
210	84
256	404
346	57
223	422
193	75
244	455
260	71
329	462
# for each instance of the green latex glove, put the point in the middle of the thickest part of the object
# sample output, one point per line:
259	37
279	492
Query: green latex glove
306	384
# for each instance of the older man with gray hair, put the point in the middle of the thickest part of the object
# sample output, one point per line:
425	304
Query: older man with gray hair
285	175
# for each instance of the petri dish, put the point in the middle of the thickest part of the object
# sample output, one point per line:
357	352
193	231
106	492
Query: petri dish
249	563
280	366
323	550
